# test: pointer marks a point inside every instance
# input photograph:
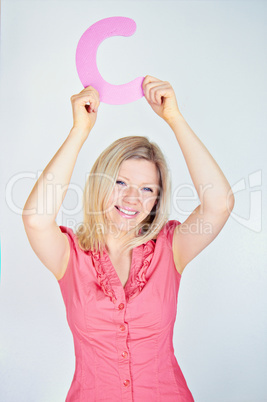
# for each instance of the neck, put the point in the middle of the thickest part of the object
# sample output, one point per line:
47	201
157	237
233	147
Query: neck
115	241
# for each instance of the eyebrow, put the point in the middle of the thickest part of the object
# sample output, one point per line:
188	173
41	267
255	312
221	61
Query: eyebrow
126	178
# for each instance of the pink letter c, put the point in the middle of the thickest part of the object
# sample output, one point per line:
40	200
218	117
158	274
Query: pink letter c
86	61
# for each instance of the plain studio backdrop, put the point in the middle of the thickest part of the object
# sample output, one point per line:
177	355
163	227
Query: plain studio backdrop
214	55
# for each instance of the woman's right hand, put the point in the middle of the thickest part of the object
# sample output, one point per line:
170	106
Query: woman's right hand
84	108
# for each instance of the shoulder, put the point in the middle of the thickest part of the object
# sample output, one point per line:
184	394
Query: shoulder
71	236
165	240
75	254
168	230
68	231
166	233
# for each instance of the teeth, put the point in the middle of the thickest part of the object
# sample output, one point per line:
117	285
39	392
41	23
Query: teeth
127	212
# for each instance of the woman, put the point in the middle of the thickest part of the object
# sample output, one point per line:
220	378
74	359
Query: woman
120	274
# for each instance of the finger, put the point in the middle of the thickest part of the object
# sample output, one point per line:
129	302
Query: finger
163	91
86	91
88	99
96	99
90	109
91	89
147	89
158	97
92	92
149	78
155	92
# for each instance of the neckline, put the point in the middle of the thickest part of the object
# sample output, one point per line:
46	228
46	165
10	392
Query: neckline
109	280
111	269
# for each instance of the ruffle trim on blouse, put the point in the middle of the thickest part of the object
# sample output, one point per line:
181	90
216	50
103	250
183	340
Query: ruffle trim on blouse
142	257
139	279
102	277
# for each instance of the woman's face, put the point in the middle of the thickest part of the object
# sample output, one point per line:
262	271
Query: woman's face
134	195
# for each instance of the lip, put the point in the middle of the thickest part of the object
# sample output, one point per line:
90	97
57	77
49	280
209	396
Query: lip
127	209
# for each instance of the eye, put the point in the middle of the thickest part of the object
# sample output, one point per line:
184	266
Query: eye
148	189
120	182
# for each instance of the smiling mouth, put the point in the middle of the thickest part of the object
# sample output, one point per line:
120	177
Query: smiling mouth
126	212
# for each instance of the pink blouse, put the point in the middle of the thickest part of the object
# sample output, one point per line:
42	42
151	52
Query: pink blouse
123	336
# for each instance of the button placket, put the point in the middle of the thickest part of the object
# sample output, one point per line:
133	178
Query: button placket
123	355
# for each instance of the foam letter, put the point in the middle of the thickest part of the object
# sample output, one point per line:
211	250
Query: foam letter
87	67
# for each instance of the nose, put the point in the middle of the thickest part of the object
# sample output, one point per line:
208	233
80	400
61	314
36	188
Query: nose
131	195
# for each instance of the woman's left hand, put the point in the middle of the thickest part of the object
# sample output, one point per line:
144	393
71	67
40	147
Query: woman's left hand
161	97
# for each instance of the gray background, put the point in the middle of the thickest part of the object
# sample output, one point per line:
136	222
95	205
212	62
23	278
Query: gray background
214	55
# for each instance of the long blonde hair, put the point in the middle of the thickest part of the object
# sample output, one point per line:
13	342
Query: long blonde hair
99	186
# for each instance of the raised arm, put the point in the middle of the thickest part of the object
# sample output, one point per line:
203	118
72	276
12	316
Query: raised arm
214	191
42	206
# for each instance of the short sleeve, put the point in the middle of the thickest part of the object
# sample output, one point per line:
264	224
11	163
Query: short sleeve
73	253
168	230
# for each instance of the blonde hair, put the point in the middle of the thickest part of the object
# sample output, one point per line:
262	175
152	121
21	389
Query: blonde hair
99	186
